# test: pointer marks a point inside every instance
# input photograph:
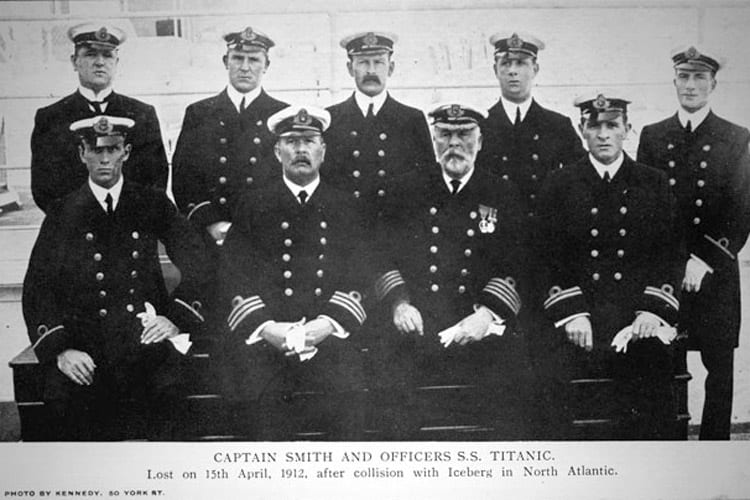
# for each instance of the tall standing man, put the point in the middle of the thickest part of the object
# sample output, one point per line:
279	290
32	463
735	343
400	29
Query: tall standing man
373	138
524	141
707	161
99	316
56	168
224	146
290	289
609	252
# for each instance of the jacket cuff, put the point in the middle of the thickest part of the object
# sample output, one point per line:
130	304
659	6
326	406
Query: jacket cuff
388	282
564	303
661	302
247	315
346	309
186	315
203	214
715	251
500	296
50	342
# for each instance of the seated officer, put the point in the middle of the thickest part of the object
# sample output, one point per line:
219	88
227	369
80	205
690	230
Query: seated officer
451	261
98	314
608	250
289	290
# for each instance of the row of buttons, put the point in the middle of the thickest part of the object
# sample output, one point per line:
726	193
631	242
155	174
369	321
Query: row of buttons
620	253
622	232
383	136
436	288
259	123
706	147
253	160
103	293
597	276
98	256
290	291
90	236
288	274
356	153
356	173
103	312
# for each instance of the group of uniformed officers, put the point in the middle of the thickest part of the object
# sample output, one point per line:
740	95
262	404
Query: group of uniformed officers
514	263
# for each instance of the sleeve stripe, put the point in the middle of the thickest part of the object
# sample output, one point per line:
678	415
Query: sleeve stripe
190	308
661	294
719	246
243	309
48	332
388	282
562	295
350	304
505	292
195	208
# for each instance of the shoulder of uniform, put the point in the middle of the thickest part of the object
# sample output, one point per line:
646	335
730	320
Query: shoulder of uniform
57	106
728	127
134	103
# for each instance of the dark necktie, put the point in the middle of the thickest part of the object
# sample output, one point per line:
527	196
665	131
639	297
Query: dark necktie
455	184
302	196
97	105
242	104
607	177
688	127
518	116
370	113
108	201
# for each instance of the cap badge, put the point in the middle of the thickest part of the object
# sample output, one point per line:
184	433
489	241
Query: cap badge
691	53
248	34
102	34
370	39
601	102
103	126
515	41
455	111
302	117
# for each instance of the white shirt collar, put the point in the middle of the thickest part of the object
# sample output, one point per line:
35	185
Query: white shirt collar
464	180
695	118
510	108
296	188
236	96
363	101
612	168
100	193
91	96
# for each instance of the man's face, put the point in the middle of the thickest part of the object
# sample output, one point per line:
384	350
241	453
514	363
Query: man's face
301	154
371	71
693	88
516	73
605	137
456	147
95	66
245	68
104	162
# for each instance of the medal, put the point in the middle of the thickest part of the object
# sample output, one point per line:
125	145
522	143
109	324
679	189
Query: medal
488	219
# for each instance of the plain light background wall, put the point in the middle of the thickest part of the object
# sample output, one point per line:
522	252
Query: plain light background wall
443	52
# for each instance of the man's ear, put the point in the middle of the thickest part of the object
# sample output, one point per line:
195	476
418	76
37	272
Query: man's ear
128	147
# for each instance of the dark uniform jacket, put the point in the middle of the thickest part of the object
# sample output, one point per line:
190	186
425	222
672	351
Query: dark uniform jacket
543	142
362	158
709	171
90	274
220	153
447	254
56	167
608	248
284	261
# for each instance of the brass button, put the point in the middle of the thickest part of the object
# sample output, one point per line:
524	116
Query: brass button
135	254
321	256
707	147
536	137
288	292
701	183
102	313
287	242
595	253
284	225
464	272
287	274
99	276
381	153
594	211
259	123
319	273
221	122
505	177
135	235
434	249
97	257
134	274
318	292
89	237
249	180
470	233
670	146
253	160
505	158
618	276
381	192
323	224
433	268
102	293
223	140
222	159
623	210
256	140
534	177
355	153
697	221
621	253
433	210
383	136
671	163
467	252
222	180
286	257
435	230
703	164
323	241
461	289
672	181
535	157
356	194
353	133
129	308
623	231
532	196
222	201
698	202
595	276
381	173
131	291
434	287
356	174
595	232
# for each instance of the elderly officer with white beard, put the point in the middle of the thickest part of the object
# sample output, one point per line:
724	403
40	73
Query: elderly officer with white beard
451	274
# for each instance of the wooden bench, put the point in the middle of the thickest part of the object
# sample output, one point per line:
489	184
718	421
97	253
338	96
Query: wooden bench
449	411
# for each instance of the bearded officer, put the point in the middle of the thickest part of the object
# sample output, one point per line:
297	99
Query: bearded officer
450	286
224	146
707	161
609	252
291	291
524	141
99	316
56	168
373	138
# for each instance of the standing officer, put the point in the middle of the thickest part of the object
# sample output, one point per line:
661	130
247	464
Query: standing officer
290	291
608	250
97	310
55	163
224	146
453	269
707	161
373	138
524	141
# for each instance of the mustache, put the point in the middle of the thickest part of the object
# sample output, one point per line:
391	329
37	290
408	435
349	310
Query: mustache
454	153
371	78
302	159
